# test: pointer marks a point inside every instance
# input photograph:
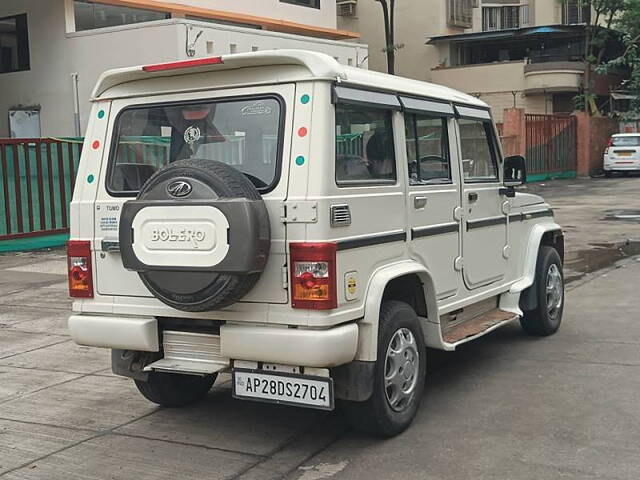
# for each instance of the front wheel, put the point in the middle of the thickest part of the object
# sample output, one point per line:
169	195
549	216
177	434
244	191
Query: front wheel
174	389
399	374
545	319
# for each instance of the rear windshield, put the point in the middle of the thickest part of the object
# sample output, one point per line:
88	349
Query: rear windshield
244	133
626	141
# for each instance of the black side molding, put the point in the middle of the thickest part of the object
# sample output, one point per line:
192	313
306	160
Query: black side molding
521	217
418	232
486	222
369	240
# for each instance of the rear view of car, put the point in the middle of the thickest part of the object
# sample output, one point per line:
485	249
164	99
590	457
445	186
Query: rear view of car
622	154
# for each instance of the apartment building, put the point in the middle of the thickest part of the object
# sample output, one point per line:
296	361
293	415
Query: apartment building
523	53
52	51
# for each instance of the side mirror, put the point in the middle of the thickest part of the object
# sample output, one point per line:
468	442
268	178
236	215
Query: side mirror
515	174
515	171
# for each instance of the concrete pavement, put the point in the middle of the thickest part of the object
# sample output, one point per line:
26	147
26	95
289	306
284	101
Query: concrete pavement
515	407
506	406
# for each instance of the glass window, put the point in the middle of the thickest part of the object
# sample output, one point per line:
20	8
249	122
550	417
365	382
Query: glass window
576	11
364	145
427	149
14	44
244	133
625	141
498	18
478	151
91	15
304	3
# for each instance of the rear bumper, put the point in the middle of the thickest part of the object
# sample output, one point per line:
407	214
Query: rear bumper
126	333
621	167
290	346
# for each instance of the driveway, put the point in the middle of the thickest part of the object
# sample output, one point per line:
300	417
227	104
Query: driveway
506	406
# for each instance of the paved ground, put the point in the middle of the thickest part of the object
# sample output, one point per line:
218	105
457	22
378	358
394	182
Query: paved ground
601	219
507	406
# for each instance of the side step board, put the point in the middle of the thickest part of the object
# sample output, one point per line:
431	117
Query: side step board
478	326
190	352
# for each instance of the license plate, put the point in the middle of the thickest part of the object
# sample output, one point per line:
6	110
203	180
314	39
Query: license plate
285	388
624	154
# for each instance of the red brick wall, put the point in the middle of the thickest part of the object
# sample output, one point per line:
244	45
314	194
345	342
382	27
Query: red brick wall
593	137
514	132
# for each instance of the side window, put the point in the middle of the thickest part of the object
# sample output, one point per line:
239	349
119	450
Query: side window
479	160
427	149
364	146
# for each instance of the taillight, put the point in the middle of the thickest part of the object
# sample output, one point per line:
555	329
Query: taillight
609	145
161	67
313	276
79	269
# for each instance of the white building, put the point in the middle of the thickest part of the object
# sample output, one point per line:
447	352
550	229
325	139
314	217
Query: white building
52	51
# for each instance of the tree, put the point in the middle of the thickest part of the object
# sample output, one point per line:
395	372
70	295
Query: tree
390	48
628	23
598	32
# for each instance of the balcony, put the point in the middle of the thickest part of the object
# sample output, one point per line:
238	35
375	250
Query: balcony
497	77
553	77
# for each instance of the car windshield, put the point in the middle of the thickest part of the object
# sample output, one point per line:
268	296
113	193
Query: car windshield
244	133
626	141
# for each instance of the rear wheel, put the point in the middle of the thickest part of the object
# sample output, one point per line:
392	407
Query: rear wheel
608	173
399	374
174	389
545	319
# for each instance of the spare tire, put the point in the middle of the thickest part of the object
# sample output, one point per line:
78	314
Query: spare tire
197	234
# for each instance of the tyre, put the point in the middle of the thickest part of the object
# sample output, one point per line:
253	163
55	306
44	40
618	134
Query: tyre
174	389
545	319
608	173
399	374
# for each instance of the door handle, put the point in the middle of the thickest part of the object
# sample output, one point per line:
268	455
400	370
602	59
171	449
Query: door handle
473	196
419	202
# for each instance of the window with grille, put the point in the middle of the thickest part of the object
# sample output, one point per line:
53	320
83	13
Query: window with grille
576	11
499	18
460	13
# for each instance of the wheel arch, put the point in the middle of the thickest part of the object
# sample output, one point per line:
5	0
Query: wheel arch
405	281
547	234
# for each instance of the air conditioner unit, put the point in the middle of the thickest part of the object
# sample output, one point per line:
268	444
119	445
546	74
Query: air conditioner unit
346	8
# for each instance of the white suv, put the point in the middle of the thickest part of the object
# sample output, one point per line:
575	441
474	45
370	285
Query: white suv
308	227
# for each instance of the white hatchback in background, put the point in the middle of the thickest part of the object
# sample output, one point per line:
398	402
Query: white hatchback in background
622	154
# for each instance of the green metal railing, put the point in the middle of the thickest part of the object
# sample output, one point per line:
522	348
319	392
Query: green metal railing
37	176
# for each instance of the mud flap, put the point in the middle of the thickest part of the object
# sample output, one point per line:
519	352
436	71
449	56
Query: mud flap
354	381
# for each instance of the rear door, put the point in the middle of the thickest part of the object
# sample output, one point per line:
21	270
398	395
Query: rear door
433	191
250	130
485	231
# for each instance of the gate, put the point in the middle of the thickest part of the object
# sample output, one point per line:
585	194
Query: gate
37	177
551	146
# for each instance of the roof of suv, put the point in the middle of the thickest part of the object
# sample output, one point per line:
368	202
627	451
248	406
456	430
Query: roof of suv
318	66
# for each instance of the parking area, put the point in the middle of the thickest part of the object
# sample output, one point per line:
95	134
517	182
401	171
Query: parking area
507	406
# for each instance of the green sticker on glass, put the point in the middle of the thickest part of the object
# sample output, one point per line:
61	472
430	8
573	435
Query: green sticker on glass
305	99
90	178
101	114
300	161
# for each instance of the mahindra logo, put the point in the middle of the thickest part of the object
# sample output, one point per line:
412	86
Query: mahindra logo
179	189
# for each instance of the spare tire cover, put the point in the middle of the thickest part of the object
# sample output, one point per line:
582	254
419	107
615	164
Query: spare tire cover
198	235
